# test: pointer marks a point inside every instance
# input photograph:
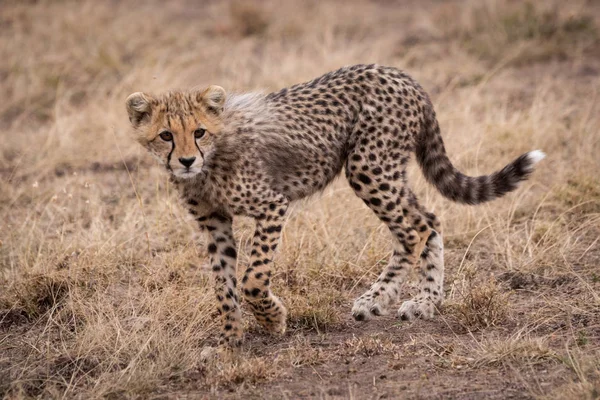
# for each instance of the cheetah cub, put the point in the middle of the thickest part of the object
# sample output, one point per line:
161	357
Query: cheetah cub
253	154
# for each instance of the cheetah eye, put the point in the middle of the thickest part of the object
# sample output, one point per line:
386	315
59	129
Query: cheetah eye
198	133
166	136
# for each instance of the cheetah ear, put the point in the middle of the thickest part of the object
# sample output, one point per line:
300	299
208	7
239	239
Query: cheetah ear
139	108
213	97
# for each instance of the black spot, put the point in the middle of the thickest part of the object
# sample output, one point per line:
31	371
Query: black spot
192	202
212	248
356	186
255	292
218	217
375	201
230	252
273	228
364	179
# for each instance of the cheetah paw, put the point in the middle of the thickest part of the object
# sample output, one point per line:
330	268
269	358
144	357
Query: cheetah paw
209	354
412	309
221	353
364	309
273	319
231	339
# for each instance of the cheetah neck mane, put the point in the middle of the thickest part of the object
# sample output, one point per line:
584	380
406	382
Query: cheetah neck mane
246	109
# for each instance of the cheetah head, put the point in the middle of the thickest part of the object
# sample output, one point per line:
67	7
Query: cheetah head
178	128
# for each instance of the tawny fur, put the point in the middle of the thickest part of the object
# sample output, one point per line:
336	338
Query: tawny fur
253	154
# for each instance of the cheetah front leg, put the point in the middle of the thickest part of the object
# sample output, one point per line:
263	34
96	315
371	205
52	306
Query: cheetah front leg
222	252
267	308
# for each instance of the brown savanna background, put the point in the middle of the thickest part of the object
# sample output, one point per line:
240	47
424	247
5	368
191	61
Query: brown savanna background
104	288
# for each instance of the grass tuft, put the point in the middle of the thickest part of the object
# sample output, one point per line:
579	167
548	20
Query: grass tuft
514	351
33	297
481	306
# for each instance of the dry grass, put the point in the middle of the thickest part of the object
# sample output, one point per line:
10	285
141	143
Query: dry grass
104	291
481	305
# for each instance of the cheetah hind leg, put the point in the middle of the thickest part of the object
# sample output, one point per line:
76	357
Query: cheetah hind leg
385	290
388	203
430	296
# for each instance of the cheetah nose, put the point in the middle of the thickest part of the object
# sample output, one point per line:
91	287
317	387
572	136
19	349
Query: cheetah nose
187	162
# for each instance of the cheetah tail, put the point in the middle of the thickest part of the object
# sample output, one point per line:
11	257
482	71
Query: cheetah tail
452	184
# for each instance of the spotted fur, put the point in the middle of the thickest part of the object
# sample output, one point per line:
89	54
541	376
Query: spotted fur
253	154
